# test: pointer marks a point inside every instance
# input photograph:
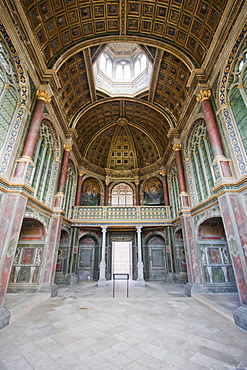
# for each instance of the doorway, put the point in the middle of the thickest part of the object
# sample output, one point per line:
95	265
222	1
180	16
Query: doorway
122	258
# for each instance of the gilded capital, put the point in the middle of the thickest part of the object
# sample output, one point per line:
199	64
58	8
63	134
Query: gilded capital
163	172
81	173
137	182
67	147
176	147
43	95
203	95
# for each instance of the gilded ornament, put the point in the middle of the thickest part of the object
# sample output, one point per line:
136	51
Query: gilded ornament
43	95
176	147
67	147
203	95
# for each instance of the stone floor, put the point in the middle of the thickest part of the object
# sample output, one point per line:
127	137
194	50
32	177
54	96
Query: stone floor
156	327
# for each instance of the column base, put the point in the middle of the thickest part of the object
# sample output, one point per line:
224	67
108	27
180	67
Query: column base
141	282
48	288
4	317
102	282
240	317
187	290
71	279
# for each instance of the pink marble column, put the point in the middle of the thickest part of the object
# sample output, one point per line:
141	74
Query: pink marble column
180	173
165	188
10	226
137	192
192	260
213	133
63	175
106	192
235	224
78	190
48	274
42	99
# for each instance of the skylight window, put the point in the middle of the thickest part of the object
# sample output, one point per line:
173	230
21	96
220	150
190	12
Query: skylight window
122	69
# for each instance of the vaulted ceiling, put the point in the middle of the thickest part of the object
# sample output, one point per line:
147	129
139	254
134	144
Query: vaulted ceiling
178	37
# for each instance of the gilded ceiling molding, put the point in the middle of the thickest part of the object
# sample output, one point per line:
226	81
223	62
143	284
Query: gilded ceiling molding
123	17
114	124
168	116
155	74
90	77
124	38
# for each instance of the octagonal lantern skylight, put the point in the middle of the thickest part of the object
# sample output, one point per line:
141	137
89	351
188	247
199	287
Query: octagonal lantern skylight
122	69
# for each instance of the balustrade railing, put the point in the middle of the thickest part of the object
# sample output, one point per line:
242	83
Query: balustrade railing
104	213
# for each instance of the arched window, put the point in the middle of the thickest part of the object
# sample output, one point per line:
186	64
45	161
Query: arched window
8	91
237	94
201	157
70	187
174	190
122	195
43	159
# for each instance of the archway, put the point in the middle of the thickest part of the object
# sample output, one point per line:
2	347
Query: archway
155	261
217	271
26	268
88	258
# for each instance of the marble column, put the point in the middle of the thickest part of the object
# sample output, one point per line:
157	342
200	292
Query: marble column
137	192
63	175
180	173
24	165
48	273
140	279
232	208
102	266
165	188
78	190
221	167
107	192
13	208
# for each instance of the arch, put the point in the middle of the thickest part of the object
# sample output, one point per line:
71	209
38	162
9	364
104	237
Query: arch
167	114
198	159
19	114
91	192
122	194
123	38
226	113
216	265
152	191
27	264
156	264
88	257
47	150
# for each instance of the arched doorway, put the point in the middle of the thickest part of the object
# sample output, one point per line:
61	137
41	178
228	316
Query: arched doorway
217	271
155	262
26	268
88	258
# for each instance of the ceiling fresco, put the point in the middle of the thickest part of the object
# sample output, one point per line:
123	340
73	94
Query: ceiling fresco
175	35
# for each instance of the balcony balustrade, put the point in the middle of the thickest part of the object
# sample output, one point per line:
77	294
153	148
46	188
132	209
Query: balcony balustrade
135	214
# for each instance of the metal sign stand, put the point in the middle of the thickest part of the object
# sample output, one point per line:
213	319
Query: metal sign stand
120	277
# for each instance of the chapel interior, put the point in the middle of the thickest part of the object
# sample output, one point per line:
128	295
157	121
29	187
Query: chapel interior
123	145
